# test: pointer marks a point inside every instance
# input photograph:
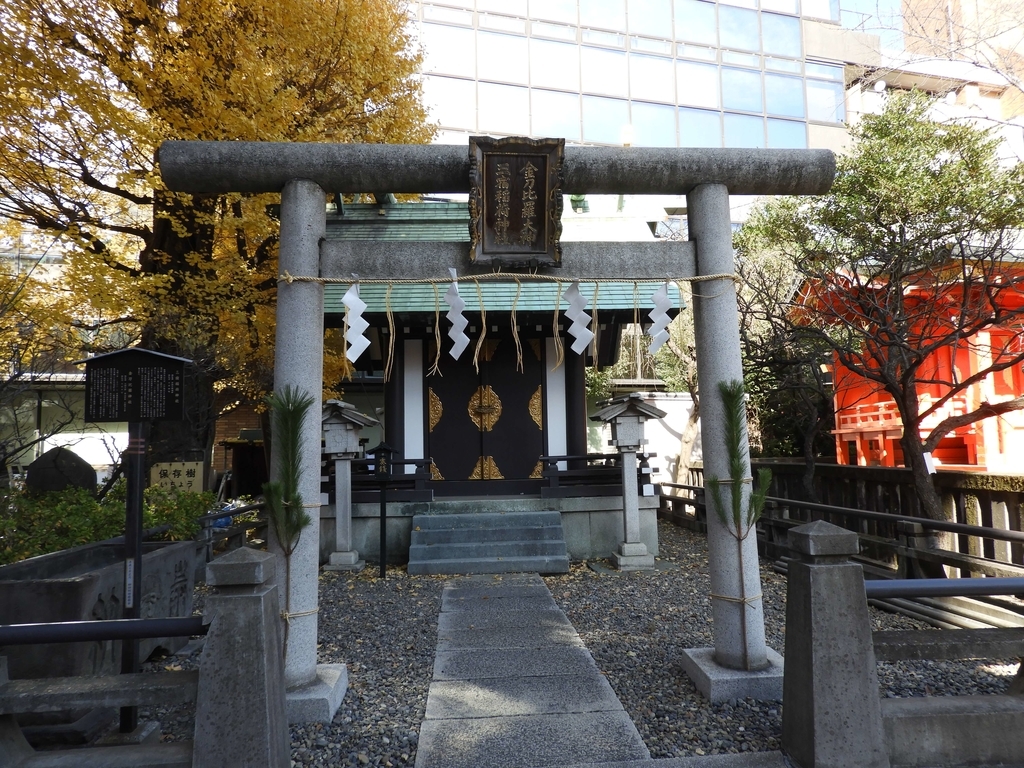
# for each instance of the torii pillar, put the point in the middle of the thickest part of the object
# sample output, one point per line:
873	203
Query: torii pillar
740	664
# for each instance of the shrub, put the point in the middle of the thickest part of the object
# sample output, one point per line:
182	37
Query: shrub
38	525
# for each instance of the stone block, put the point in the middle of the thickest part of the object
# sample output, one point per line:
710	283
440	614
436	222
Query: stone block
318	701
525	662
831	715
517	696
241	567
719	683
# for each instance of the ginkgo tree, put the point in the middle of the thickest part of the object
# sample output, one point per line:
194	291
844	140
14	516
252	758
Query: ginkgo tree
92	87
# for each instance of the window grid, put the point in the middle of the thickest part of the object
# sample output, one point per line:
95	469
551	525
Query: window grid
821	101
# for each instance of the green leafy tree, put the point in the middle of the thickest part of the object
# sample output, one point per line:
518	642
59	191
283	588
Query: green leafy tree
911	253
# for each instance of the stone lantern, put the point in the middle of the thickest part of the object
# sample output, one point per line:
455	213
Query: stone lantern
626	415
342	425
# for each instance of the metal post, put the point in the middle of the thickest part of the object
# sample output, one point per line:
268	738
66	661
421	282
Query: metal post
134	470
383	528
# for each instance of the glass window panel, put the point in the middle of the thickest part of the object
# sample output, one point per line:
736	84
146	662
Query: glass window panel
651	78
435	13
826	71
502	57
609	14
741	89
695	22
504	109
738	28
503	23
451	102
604	71
559	31
604	119
741	3
654	125
554	65
787	134
697	84
821	9
781	35
825	101
650	17
784	95
741	59
515	7
448	50
744	131
700	128
598	37
782	65
654	46
554	10
697	52
555	115
783	6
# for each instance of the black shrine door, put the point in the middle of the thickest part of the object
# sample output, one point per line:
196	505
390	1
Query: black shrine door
487	425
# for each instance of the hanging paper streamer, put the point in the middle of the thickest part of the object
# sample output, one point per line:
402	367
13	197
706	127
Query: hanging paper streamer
457	333
580	319
659	317
357	325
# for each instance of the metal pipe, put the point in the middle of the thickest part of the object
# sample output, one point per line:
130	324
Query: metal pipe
942	587
217	167
935	525
89	631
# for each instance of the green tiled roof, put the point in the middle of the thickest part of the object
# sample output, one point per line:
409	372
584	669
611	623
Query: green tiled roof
416	222
497	297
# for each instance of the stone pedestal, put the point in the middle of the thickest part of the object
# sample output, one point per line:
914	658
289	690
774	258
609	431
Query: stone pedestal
344	557
832	715
240	706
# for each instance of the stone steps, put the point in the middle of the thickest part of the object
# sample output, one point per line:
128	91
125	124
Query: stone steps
492	542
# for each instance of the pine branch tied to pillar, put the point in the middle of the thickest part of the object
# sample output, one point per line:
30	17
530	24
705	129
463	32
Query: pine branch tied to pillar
288	516
737	521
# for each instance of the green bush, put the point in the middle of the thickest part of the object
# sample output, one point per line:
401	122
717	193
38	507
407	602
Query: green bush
37	525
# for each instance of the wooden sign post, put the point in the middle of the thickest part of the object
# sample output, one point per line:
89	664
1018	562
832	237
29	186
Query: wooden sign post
138	386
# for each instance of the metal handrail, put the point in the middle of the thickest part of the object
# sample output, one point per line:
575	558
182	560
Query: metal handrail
879	588
113	629
889	517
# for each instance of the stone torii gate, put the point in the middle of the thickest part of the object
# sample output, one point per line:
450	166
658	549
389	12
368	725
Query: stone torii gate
740	664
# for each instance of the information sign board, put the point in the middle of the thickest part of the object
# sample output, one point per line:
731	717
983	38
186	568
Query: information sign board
134	385
180	475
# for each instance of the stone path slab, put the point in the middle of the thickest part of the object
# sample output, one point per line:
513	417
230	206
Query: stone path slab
514	687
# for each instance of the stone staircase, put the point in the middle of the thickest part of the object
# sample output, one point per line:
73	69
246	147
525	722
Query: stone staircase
488	542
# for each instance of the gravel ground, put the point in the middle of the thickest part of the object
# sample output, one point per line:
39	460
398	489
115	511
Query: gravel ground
635	625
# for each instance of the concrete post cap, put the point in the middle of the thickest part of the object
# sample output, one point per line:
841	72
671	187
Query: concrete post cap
821	539
241	567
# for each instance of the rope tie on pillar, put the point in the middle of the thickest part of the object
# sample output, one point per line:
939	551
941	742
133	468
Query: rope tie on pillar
297	614
311	505
743	600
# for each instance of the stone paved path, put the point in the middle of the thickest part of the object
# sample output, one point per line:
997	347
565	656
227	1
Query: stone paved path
514	687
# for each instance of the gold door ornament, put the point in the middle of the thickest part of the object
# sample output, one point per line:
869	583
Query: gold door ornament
537	407
484	408
434	408
486	469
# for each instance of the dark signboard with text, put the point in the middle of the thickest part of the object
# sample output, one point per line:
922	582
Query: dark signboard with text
134	385
515	199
